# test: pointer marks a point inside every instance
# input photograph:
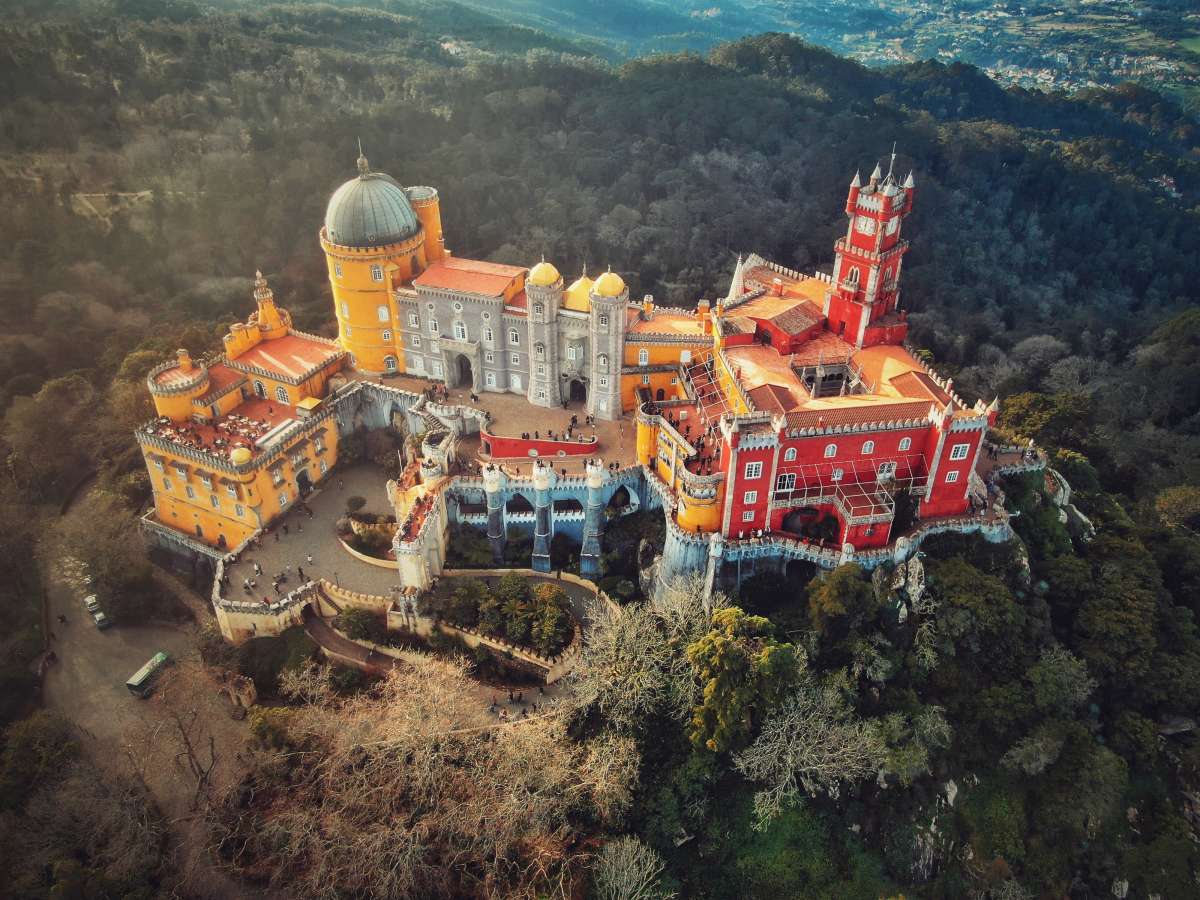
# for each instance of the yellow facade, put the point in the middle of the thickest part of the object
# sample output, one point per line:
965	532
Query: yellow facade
665	453
363	281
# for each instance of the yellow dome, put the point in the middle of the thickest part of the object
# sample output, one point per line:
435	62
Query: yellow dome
610	284
543	274
240	456
576	296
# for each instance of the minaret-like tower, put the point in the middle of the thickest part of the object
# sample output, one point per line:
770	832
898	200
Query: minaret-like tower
866	268
609	298
543	289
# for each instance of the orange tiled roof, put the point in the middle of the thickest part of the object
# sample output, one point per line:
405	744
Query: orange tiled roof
220	376
919	384
469	276
857	414
292	355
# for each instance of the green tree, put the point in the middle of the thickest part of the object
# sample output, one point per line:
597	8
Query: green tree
743	672
843	597
551	623
36	750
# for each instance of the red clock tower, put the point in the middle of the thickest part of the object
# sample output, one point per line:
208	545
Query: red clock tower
862	302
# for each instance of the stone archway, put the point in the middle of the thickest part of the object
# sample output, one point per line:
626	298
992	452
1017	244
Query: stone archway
464	372
577	391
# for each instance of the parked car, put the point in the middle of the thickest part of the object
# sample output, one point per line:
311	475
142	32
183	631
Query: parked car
102	621
91	603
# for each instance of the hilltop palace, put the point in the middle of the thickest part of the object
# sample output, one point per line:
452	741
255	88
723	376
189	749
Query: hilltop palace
778	423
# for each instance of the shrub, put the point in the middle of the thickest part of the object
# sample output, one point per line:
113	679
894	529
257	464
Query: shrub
355	503
361	625
36	751
264	658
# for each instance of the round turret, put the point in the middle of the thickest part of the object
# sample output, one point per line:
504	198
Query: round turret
240	456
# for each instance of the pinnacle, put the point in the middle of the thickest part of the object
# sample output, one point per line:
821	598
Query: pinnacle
877	173
857	182
908	182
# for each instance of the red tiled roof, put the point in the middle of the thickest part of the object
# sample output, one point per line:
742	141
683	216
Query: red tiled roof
772	398
220	376
862	414
174	376
469	276
919	384
292	355
799	318
520	300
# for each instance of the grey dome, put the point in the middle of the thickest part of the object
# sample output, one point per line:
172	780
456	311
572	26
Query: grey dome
370	211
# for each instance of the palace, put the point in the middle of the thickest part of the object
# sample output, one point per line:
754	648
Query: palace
786	420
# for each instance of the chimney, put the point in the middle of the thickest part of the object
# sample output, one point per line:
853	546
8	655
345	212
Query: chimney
648	307
185	360
776	287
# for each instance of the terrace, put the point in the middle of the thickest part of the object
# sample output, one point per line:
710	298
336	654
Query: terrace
255	425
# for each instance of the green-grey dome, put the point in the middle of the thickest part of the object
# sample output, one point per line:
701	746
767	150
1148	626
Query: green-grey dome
370	211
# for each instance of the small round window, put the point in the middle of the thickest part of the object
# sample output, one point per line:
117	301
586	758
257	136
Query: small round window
458	307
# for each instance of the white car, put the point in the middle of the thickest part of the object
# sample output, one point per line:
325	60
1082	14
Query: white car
91	603
102	621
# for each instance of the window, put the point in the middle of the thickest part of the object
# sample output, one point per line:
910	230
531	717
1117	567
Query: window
377	272
433	326
603	381
959	451
789	455
487	335
541	394
538	309
239	510
602	406
460	331
571	353
951	477
337	270
281	394
541	369
837	475
604	321
190	492
383	313
323	466
516	359
414	321
785	481
260	389
830	451
458	307
283	499
514	381
389	363
215	501
387	336
231	491
489	378
514	337
750	498
435	366
489	356
345	310
416	341
602	361
753	470
319	443
748	515
167	484
158	464
905	443
887	469
349	331
645	379
539	351
674	379
643	357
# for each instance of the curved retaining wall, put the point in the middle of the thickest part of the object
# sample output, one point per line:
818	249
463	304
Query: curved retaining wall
499	447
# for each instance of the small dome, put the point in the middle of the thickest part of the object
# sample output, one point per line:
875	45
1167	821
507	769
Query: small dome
240	456
576	296
610	284
371	210
543	274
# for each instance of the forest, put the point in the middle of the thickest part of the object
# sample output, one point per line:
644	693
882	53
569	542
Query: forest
1029	729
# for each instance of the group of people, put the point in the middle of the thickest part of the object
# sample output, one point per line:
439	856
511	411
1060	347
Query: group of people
516	698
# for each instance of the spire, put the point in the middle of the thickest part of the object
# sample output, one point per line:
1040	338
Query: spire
892	164
908	182
262	292
877	173
857	182
737	285
363	168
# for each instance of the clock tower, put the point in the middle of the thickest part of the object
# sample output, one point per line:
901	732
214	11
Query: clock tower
861	305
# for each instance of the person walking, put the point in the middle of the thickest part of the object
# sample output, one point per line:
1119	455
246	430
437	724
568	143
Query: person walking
310	559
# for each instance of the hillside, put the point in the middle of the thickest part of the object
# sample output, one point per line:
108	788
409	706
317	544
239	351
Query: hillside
153	155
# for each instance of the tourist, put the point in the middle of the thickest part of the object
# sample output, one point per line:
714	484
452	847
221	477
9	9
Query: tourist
257	568
300	572
310	559
299	527
285	528
341	484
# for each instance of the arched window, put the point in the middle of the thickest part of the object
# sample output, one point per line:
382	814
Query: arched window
383	313
830	451
602	362
377	273
281	394
433	327
539	351
514	337
905	443
789	455
460	331
643	357
487	335
837	475
345	310
538	309
852	277
868	448
389	363
387	337
260	389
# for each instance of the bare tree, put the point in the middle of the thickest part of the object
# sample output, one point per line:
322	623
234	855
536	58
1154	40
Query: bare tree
627	869
812	743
